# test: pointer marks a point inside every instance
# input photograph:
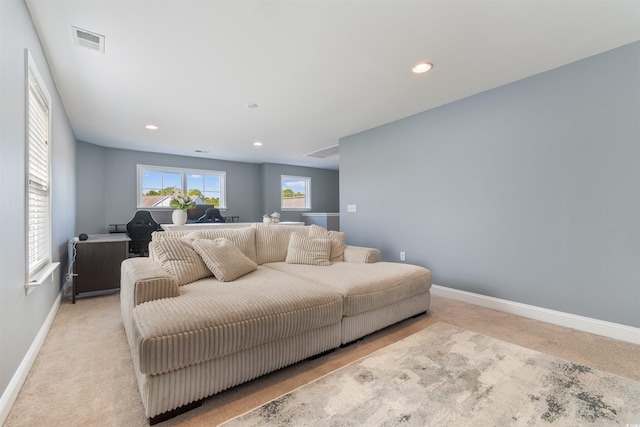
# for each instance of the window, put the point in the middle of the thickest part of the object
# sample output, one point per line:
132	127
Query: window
38	177
296	192
157	183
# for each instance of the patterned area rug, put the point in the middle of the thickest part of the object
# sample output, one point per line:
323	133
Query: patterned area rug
445	376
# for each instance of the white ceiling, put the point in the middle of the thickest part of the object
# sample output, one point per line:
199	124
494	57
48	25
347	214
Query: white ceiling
318	70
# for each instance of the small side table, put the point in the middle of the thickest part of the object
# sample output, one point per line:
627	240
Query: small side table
96	262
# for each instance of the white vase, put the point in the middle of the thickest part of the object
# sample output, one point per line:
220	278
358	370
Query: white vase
179	217
266	220
275	220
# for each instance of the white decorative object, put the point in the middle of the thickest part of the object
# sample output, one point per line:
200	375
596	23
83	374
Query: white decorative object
275	217
179	217
266	220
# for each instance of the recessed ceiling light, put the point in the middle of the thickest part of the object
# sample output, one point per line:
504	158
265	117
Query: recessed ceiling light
422	67
252	105
201	151
258	144
151	127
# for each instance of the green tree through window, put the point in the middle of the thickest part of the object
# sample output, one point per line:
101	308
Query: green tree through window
157	183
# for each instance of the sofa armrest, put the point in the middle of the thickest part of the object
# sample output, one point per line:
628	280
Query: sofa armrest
361	255
144	279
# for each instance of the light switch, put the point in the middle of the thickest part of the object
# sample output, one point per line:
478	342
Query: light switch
351	208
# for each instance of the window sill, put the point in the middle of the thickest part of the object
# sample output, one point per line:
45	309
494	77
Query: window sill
42	275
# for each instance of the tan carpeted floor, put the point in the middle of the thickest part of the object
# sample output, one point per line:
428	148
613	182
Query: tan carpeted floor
83	375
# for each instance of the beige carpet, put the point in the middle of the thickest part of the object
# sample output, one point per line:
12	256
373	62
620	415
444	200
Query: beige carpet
83	375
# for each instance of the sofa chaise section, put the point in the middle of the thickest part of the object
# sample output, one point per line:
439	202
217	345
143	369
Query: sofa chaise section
217	335
212	319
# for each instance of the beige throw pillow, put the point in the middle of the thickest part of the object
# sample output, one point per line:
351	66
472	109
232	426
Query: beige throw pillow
179	259
223	258
337	239
244	238
307	250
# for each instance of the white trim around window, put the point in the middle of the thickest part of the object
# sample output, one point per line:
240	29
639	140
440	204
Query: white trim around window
39	265
154	182
295	193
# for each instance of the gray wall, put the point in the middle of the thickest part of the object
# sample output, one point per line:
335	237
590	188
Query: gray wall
106	187
91	186
529	192
22	316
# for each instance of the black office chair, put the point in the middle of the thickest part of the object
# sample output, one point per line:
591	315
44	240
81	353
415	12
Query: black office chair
212	215
139	230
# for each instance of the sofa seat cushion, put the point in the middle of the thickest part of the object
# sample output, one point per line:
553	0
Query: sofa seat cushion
365	287
211	319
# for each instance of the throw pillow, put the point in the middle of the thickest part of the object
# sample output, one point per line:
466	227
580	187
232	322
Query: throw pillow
307	250
337	241
179	259
244	238
223	258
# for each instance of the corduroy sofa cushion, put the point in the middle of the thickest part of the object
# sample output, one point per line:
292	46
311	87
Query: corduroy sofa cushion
337	239
365	287
307	250
178	258
272	241
223	258
242	237
211	319
173	250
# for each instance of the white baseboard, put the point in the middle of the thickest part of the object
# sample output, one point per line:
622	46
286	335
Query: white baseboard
17	381
586	324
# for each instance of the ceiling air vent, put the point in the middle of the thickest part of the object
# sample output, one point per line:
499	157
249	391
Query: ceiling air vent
325	152
88	39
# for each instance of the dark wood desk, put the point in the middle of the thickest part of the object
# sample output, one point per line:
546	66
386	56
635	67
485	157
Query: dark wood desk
96	265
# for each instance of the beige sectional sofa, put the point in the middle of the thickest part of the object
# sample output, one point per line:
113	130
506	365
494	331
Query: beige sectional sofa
214	308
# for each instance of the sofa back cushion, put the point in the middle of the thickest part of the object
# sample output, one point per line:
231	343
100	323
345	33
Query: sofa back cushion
337	239
272	241
243	238
305	249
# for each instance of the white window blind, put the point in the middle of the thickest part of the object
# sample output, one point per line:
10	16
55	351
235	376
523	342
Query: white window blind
38	186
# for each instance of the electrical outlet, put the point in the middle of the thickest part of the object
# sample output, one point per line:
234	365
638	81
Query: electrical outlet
402	256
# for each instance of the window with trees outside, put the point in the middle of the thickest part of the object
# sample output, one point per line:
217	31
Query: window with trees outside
156	184
296	192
